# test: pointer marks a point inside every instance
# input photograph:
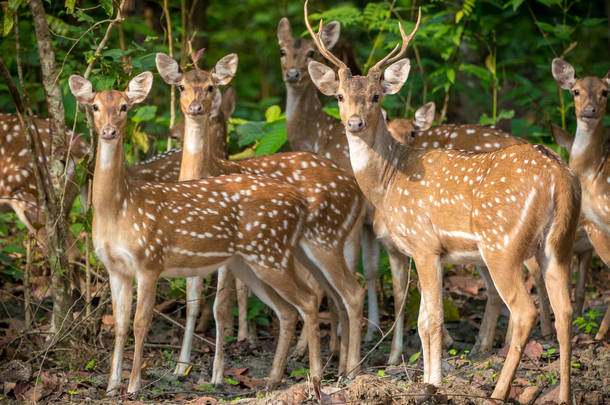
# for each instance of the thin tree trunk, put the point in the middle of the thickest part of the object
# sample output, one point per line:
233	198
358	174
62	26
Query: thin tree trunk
55	223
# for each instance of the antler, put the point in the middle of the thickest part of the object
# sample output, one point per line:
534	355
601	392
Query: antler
320	45
389	59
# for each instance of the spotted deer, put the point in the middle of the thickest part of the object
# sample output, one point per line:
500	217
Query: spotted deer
515	203
334	203
310	129
589	157
419	133
18	189
144	230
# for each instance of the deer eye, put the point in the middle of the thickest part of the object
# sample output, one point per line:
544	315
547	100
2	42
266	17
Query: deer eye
413	133
576	92
375	98
340	97
210	88
123	107
181	87
604	93
310	54
95	107
283	52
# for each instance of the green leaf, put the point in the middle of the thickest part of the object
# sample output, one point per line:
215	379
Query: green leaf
505	114
90	365
516	4
249	132
14	4
590	22
414	357
7	21
70	6
231	381
108	7
144	113
273	113
458	16
381	373
272	141
451	75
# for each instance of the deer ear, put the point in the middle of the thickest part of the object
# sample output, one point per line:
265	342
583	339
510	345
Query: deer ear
284	32
227	105
424	116
330	34
139	87
324	78
225	69
168	68
82	89
562	137
395	76
607	78
563	73
177	131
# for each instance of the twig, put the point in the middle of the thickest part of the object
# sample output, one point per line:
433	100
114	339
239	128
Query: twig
178	324
172	99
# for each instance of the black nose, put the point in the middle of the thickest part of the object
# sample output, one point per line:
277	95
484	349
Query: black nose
293	76
195	108
109	132
589	111
355	124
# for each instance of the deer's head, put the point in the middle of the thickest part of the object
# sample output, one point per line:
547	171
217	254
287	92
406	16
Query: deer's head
590	93
110	106
359	97
404	130
200	97
296	53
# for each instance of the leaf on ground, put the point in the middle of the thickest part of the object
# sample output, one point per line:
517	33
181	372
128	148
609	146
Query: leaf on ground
237	371
463	285
533	350
528	394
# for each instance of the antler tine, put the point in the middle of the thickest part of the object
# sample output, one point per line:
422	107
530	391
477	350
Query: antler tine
319	44
389	59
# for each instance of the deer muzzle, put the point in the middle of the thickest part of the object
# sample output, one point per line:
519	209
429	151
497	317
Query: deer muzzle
108	132
589	111
195	108
355	124
293	76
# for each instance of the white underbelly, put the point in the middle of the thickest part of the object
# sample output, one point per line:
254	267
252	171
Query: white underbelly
472	257
183	272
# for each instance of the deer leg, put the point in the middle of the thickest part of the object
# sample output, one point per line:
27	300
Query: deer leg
285	312
313	259
121	290
288	284
242	310
147	289
604	326
557	275
430	320
301	347
349	301
494	303
546	325
584	259
509	282
226	281
398	264
370	265
193	296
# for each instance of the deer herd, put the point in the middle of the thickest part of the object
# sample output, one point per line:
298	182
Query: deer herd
290	226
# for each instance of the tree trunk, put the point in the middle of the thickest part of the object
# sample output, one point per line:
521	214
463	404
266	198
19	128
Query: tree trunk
55	223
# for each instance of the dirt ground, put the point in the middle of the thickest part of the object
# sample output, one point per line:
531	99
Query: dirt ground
78	374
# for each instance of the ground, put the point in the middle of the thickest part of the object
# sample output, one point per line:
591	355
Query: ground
77	374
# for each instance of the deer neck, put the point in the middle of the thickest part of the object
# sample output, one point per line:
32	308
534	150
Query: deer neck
375	160
587	149
197	154
109	180
304	117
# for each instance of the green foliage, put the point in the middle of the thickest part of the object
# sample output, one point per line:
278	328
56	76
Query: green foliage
587	323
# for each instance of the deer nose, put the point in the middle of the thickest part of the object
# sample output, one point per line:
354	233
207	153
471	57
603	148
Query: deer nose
195	108
293	76
108	132
589	111
355	124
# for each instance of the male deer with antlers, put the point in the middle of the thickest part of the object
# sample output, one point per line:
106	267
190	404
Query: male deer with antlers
589	157
143	230
310	129
515	203
334	202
